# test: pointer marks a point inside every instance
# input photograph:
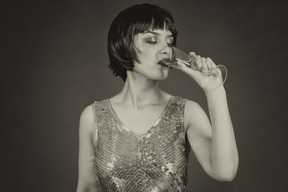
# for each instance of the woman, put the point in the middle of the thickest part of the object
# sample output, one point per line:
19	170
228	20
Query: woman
139	139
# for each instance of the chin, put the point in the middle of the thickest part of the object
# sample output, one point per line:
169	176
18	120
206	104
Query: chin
162	75
159	79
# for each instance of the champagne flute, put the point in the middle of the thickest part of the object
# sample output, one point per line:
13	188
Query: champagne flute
216	75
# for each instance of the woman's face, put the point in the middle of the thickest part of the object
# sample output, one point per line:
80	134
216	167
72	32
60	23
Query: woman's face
153	46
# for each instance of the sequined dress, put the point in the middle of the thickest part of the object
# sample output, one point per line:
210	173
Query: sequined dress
155	161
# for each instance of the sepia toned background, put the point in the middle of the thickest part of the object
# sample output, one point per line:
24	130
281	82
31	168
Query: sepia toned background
54	63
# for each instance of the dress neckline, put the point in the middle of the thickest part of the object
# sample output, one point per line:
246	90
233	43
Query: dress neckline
148	130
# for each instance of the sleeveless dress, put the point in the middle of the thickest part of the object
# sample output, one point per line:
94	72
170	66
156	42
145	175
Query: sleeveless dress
155	161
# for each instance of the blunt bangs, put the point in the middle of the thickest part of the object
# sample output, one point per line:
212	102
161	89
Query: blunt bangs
130	22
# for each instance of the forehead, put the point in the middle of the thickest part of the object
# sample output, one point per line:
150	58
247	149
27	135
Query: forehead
159	32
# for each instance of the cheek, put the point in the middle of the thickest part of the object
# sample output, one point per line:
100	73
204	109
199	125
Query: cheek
146	53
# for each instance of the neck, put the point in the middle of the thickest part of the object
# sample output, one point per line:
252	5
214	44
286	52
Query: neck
139	91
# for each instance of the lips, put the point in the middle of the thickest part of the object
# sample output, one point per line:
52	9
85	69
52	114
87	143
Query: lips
164	62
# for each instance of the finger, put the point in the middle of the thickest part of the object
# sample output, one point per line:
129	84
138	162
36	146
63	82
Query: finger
182	66
209	63
204	64
198	61
193	54
193	62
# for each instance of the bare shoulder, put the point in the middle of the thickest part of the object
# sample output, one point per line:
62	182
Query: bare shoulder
192	107
195	116
87	118
87	113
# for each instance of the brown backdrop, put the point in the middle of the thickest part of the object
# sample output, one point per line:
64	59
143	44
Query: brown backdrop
54	63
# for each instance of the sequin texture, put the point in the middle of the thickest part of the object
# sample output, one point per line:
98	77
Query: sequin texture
155	161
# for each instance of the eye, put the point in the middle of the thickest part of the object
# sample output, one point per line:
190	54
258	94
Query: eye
152	40
170	42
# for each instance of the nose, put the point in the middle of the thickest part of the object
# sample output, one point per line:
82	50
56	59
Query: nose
167	51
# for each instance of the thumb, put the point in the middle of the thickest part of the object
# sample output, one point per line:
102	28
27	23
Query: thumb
186	69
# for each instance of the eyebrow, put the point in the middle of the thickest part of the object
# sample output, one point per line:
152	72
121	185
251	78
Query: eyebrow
155	33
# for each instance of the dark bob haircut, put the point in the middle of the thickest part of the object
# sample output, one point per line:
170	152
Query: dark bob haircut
130	22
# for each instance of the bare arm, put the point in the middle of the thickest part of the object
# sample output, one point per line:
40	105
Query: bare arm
213	143
87	178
